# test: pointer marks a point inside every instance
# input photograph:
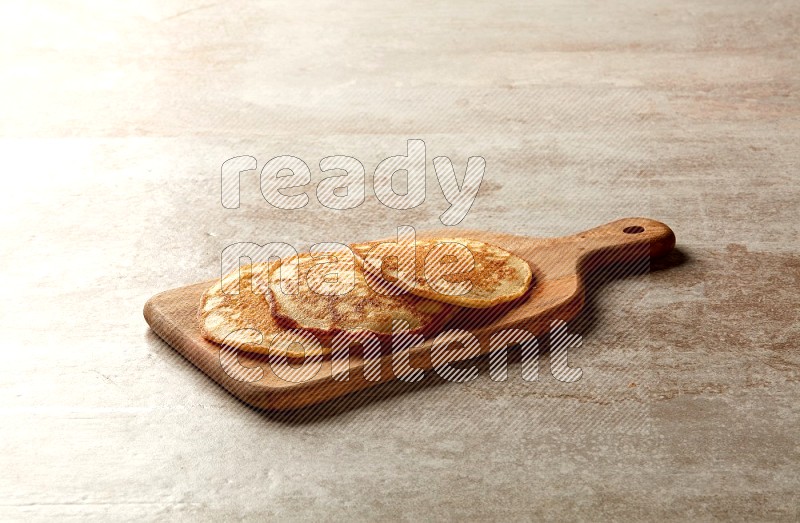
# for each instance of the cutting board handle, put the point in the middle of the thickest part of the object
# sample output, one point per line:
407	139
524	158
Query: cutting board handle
624	240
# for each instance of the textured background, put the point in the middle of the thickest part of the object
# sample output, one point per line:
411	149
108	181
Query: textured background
116	119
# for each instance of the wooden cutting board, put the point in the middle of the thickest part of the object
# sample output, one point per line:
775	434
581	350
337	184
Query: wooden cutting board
559	266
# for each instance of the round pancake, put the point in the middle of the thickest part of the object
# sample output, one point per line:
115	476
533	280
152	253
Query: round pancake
460	271
221	313
327	293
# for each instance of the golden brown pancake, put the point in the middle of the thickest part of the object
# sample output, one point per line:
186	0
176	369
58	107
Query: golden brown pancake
460	271
221	313
327	293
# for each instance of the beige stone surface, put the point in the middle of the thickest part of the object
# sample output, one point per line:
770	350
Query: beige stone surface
114	121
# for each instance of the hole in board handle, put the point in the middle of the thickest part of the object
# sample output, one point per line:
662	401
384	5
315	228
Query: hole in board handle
633	229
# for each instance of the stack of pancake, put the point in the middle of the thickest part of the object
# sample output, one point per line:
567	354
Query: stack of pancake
362	291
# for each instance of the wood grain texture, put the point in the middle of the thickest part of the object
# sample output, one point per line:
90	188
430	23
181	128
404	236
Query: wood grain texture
556	293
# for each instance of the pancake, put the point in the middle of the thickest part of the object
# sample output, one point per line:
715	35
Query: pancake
221	314
327	293
459	271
